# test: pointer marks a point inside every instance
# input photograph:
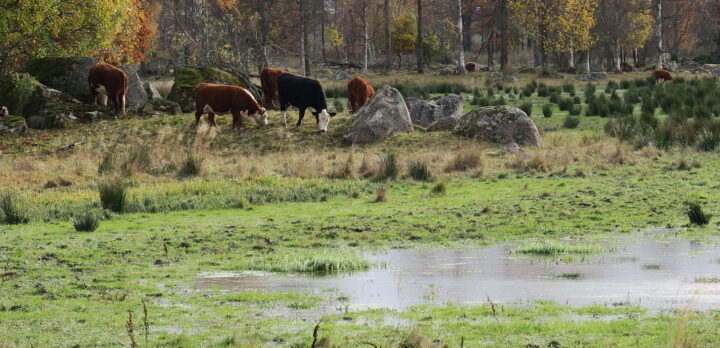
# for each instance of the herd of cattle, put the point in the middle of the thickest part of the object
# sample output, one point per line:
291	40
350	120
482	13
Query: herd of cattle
108	82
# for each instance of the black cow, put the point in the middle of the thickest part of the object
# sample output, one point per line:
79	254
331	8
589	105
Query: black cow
303	93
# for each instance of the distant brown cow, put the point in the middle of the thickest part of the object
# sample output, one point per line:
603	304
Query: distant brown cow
663	75
359	91
107	81
268	79
4	112
221	99
471	67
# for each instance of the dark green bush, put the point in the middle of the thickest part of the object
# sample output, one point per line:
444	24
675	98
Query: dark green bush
571	122
527	108
589	91
192	166
565	104
547	110
576	110
113	195
87	222
696	214
419	171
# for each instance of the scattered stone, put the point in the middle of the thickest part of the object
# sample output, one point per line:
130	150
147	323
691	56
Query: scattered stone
384	114
514	149
165	106
427	112
500	76
593	77
500	124
91	116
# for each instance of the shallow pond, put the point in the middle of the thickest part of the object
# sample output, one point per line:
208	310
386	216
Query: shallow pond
655	275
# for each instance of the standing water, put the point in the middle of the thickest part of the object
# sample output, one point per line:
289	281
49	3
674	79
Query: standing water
655	275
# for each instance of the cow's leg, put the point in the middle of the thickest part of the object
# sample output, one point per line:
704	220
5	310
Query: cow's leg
122	102
237	120
211	118
300	117
116	103
198	114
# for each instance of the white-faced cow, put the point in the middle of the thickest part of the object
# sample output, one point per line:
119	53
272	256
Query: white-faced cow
303	93
4	112
108	82
221	99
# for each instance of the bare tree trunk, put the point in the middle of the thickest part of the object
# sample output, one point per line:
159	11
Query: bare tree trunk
322	29
572	55
265	32
366	39
587	61
617	59
660	35
503	36
303	36
461	47
388	34
419	42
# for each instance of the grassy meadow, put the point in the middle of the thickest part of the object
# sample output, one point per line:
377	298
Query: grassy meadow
106	226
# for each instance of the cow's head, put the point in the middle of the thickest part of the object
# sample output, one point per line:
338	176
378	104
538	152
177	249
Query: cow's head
260	117
323	119
4	112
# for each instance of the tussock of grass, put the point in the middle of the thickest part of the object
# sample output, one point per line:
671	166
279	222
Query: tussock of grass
696	215
555	248
192	166
113	195
12	211
321	262
420	171
466	159
87	222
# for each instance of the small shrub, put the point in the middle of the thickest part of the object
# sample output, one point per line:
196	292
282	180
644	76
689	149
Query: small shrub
547	110
571	122
389	168
13	213
576	110
192	166
568	88
439	189
566	104
527	108
241	202
419	171
466	159
87	222
381	196
346	171
338	105
108	164
589	91
696	215
113	196
554	98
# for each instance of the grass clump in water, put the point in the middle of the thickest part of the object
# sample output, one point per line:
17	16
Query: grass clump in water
554	248
322	262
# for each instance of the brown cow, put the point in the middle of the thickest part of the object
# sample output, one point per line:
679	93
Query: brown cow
107	81
471	67
221	99
268	80
359	91
663	75
4	112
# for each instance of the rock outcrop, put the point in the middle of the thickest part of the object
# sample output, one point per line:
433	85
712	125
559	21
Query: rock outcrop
382	116
500	124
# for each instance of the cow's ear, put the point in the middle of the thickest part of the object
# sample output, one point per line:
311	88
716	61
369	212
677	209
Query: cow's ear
332	114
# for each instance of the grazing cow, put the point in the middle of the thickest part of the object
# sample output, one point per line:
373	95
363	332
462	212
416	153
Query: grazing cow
303	93
107	81
471	67
663	75
359	91
268	79
4	112
221	99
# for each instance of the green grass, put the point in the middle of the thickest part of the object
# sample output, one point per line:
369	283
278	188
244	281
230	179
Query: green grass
554	248
316	262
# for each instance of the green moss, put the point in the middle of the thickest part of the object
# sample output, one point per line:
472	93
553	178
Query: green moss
14	121
189	78
45	69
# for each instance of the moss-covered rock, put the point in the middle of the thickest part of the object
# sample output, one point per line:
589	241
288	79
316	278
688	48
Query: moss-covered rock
13	125
500	124
186	79
47	107
70	75
166	106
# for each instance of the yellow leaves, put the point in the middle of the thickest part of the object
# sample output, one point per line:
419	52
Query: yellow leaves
333	37
562	24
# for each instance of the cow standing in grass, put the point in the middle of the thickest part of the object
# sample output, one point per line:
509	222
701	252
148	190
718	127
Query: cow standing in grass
471	67
4	112
359	92
303	93
108	82
268	80
221	99
663	75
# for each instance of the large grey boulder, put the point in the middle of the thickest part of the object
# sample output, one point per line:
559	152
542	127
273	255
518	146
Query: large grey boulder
151	91
500	76
426	112
500	124
186	79
41	106
446	124
70	75
593	77
671	66
13	125
382	116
